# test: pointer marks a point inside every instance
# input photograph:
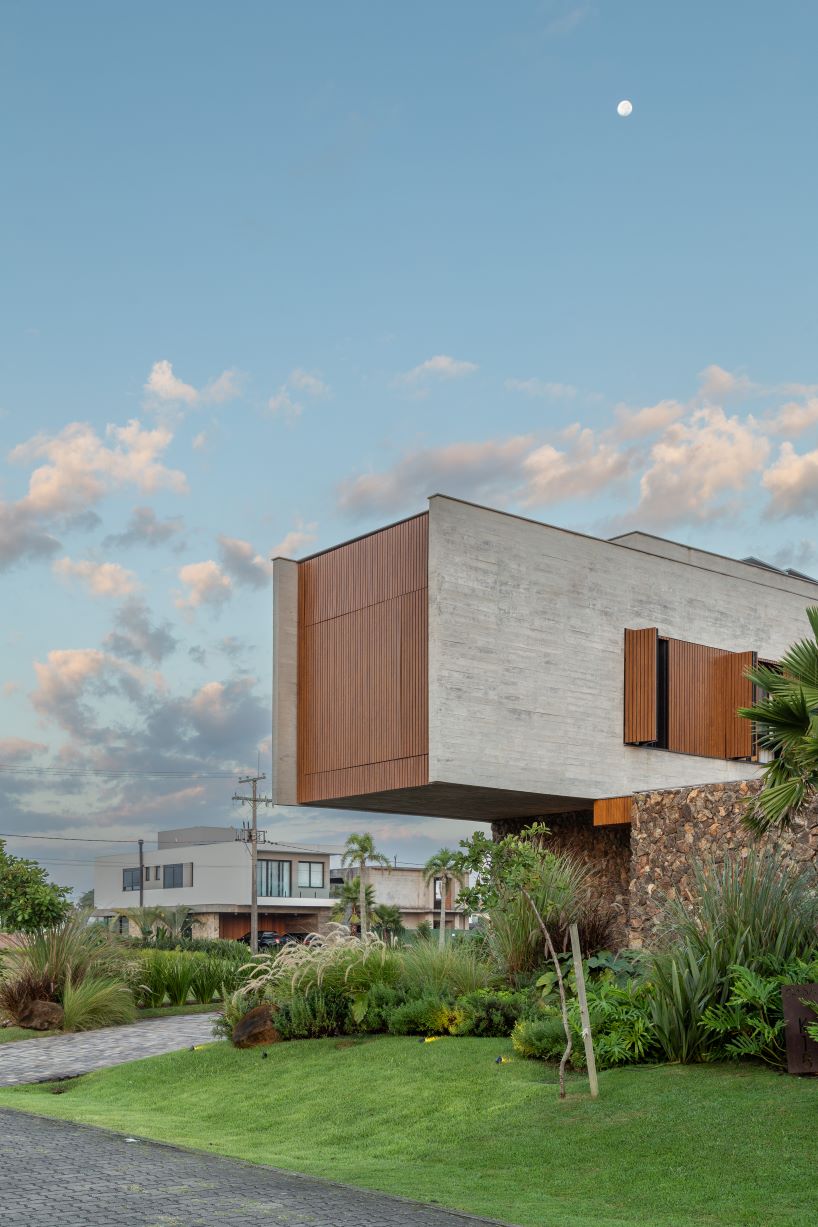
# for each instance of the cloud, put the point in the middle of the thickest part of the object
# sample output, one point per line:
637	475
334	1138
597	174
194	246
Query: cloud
135	637
697	464
69	674
164	387
792	483
144	528
206	584
637	423
542	388
296	540
242	563
18	750
307	382
283	403
100	578
199	441
300	381
471	470
584	469
441	366
716	385
794	418
801	555
80	469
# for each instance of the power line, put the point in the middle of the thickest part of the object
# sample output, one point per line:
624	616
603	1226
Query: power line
15	769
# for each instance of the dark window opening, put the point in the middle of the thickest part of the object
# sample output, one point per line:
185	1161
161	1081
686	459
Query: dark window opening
130	879
172	875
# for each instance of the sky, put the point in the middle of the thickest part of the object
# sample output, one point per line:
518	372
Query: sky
272	274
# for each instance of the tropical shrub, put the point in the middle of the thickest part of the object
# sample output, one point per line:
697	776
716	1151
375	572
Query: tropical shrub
96	1001
541	1039
560	894
751	1022
180	971
208	979
491	1012
426	1015
313	1015
753	914
69	950
150	979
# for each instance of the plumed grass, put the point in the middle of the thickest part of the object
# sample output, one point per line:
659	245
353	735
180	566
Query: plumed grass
96	1001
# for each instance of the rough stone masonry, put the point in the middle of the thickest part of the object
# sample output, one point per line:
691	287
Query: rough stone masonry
634	867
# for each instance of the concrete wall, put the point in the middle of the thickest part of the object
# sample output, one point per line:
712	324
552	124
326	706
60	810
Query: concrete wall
526	667
406	889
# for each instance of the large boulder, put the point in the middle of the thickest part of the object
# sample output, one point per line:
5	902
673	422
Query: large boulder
41	1016
255	1028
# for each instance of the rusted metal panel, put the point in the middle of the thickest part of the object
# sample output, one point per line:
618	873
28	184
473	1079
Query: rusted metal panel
363	665
612	811
641	721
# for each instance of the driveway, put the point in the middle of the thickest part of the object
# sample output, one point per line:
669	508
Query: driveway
66	1056
52	1173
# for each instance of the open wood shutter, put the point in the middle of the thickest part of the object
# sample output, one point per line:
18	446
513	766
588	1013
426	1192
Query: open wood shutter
705	686
641	654
738	692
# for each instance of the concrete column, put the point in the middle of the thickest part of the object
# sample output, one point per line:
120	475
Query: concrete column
285	681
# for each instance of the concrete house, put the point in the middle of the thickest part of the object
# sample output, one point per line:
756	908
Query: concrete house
207	869
406	888
472	664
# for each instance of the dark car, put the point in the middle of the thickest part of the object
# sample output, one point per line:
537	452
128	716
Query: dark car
268	940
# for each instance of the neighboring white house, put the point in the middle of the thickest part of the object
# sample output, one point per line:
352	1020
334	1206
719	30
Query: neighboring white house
207	869
417	899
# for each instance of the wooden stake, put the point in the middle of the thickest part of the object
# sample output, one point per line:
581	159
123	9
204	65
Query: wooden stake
587	1038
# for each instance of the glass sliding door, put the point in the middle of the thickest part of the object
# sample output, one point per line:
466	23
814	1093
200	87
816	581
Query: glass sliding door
273	879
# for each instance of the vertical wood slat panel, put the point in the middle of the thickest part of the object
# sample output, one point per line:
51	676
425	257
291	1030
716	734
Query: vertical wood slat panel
363	665
738	692
641	655
612	811
705	687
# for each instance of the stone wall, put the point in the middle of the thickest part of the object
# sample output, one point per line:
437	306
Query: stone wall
207	925
672	827
606	850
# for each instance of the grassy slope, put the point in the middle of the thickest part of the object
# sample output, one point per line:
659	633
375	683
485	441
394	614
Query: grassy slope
668	1146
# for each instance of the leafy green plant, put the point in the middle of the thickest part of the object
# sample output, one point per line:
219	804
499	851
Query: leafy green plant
150	979
312	1015
28	901
541	1039
427	1015
180	971
491	1012
787	724
69	950
208	978
96	1001
751	1022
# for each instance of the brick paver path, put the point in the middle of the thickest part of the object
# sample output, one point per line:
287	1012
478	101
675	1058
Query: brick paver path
53	1173
65	1056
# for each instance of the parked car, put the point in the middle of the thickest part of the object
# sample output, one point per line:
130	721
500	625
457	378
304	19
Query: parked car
268	940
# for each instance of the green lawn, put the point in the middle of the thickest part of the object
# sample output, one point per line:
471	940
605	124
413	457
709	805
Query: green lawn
9	1034
666	1146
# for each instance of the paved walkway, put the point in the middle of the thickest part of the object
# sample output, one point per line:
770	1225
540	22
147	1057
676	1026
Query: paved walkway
66	1056
52	1173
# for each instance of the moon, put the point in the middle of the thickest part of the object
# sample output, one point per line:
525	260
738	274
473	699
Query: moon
624	108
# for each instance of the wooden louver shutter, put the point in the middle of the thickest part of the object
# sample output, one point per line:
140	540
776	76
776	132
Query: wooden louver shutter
641	655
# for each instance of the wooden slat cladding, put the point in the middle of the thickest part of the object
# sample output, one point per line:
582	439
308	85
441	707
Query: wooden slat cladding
705	686
363	665
364	572
612	811
738	692
641	716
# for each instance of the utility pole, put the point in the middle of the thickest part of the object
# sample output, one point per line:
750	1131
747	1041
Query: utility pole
141	873
254	800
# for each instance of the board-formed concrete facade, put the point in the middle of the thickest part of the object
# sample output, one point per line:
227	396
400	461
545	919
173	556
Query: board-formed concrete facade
525	682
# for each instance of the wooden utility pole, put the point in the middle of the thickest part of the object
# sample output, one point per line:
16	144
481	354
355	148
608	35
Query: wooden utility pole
254	800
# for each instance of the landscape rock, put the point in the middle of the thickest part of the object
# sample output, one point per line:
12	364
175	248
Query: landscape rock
255	1028
41	1016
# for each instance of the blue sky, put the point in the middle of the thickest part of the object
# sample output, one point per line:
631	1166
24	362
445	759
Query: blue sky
332	258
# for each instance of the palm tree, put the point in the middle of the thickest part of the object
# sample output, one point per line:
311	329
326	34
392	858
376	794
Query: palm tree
442	866
387	919
346	907
176	921
145	919
360	851
786	720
